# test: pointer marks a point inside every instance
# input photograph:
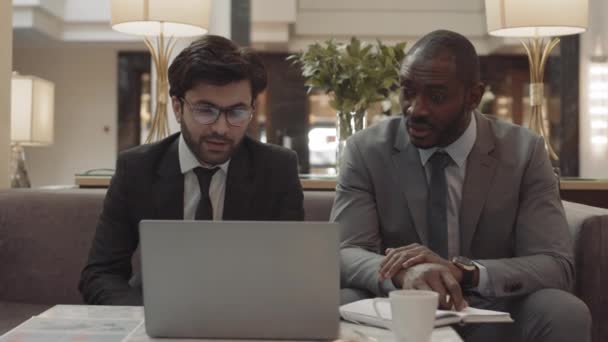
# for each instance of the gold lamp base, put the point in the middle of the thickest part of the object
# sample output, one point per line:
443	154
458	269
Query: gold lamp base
160	49
19	177
538	50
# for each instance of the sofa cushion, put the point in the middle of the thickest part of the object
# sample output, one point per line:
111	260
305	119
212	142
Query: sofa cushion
45	238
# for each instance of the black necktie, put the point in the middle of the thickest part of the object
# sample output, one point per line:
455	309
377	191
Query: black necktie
437	204
204	210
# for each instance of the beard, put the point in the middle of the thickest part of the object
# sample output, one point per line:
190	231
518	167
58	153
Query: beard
204	154
456	127
444	134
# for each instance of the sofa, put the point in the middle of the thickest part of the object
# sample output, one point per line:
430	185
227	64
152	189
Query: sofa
45	237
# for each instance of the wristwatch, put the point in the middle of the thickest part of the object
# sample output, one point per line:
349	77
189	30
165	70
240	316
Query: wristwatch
468	268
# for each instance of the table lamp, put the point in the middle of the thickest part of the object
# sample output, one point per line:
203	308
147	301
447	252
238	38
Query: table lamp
32	107
161	22
541	21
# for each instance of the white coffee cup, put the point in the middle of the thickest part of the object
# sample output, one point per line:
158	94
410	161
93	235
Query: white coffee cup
413	314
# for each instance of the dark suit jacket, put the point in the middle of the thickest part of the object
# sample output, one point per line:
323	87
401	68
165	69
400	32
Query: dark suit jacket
262	184
511	218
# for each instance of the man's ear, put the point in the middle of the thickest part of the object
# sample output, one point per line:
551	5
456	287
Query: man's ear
475	94
176	104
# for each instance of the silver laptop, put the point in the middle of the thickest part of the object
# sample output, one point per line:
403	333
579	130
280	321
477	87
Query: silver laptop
240	279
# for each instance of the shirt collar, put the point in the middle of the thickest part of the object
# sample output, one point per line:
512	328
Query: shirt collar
187	160
458	150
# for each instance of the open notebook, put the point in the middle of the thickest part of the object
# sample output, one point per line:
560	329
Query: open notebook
363	312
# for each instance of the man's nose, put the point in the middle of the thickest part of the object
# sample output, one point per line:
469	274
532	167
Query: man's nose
221	125
418	107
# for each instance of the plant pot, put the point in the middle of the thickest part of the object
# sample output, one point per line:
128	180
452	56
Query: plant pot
347	124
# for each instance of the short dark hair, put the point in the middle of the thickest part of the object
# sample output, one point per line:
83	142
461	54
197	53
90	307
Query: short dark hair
218	61
463	52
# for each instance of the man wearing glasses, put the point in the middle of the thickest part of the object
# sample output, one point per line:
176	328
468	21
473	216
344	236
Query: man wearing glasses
211	171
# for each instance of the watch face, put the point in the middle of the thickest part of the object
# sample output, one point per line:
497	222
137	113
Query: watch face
466	263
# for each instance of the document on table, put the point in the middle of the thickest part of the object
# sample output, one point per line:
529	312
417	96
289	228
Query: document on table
57	329
95	312
363	311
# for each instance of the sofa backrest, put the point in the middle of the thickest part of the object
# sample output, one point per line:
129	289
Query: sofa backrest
45	236
317	205
577	214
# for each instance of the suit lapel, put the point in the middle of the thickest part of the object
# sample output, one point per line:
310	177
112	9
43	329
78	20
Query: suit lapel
239	185
169	186
411	179
481	167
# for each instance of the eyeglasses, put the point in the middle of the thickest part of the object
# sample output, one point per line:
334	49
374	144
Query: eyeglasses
207	114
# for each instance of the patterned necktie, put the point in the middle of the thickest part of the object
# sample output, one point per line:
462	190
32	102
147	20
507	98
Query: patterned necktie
437	204
204	210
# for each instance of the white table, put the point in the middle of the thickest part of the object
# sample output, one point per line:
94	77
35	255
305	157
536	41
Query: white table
84	323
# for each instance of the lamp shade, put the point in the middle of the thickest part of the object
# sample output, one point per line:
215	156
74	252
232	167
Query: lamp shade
178	18
32	108
536	18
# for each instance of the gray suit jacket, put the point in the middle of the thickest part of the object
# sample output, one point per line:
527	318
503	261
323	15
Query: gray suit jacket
512	220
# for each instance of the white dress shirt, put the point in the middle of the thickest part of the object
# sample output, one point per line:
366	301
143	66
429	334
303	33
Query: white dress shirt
455	174
192	192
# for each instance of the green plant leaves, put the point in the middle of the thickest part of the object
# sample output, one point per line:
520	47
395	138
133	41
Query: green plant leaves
356	74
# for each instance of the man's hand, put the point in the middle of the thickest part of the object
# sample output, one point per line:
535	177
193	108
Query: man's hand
433	277
403	258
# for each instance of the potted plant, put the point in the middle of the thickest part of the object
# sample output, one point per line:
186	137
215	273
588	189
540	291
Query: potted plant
354	74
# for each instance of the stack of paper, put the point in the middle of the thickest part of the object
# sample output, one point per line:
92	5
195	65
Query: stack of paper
57	329
363	312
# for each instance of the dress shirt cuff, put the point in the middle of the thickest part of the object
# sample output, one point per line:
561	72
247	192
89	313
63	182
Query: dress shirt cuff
387	286
484	287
